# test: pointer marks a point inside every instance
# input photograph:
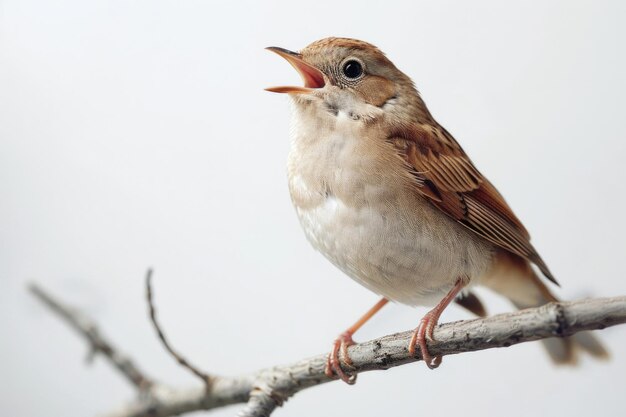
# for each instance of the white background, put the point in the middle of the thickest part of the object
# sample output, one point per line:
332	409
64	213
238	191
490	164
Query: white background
136	134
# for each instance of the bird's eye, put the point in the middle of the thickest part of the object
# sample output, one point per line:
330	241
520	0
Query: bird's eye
352	69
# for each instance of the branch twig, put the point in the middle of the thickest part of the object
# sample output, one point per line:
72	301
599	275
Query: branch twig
206	378
265	390
261	404
97	343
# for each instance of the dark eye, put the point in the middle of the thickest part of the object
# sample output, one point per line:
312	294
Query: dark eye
352	69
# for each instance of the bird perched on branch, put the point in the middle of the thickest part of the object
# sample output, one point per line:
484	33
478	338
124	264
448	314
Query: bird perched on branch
390	197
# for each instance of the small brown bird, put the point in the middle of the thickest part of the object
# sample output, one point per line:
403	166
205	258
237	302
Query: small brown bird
390	197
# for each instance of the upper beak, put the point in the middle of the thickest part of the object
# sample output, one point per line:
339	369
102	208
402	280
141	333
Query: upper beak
312	77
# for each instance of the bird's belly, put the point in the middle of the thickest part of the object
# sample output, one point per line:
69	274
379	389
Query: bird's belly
412	257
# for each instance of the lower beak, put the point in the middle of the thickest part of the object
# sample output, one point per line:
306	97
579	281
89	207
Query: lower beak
312	77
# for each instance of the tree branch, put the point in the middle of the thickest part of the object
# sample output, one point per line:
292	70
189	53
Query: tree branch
261	403
206	378
267	389
97	343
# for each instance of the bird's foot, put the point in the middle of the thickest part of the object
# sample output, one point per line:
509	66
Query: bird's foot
333	362
424	331
422	334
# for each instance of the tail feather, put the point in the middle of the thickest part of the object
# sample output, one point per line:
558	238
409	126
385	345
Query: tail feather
469	301
514	278
590	344
561	351
565	351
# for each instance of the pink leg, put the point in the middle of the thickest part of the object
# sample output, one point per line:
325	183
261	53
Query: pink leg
333	364
427	325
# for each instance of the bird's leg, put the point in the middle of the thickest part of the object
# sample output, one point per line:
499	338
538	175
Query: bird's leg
425	329
333	364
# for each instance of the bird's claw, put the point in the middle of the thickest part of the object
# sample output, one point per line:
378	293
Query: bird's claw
333	362
422	334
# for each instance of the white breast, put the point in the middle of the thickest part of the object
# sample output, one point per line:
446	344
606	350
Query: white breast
390	240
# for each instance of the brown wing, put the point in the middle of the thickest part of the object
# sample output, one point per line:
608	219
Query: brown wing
445	174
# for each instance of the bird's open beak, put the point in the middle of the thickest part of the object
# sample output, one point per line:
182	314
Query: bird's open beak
312	77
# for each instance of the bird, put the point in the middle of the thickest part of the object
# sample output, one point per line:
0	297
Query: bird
388	195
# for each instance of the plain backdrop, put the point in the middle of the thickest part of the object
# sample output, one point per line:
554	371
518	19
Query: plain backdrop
137	134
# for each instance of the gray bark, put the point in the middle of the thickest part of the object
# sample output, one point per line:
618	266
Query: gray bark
264	390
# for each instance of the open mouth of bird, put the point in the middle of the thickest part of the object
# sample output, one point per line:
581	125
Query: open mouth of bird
312	77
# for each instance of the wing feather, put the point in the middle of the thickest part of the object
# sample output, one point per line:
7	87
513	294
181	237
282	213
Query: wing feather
448	178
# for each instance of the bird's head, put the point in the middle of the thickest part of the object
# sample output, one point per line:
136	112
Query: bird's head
348	75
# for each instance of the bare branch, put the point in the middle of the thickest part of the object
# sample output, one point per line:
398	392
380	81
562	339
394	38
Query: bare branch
267	389
97	343
260	404
207	379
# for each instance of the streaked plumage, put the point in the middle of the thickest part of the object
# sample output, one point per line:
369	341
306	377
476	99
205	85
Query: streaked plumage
390	197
